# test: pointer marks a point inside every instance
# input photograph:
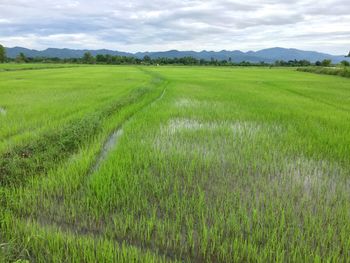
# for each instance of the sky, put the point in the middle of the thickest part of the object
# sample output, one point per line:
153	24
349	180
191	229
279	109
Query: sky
154	25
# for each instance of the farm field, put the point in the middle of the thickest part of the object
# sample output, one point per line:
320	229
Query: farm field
174	164
32	66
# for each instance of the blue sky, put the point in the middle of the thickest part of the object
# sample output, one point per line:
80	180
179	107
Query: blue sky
156	25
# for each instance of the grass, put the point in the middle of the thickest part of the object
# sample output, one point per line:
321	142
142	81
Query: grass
343	72
209	165
35	101
32	66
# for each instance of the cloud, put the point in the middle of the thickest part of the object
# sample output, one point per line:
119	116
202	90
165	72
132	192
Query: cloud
138	25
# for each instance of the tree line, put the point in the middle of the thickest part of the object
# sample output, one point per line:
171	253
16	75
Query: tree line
88	58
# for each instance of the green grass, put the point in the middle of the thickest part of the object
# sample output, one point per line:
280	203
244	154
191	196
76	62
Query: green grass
32	66
35	101
208	165
337	71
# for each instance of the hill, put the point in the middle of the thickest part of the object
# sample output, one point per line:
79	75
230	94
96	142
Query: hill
266	55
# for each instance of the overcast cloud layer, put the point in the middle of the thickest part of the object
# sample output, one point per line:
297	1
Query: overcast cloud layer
154	25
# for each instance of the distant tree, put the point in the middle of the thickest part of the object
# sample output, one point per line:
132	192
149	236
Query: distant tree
348	55
88	58
101	58
345	63
21	58
304	63
109	59
2	54
279	63
147	59
326	62
318	63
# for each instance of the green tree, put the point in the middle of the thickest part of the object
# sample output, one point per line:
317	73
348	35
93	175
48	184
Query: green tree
147	59
326	62
101	58
2	54
345	63
21	58
88	58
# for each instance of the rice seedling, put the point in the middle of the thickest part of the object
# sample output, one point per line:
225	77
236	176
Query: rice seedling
175	164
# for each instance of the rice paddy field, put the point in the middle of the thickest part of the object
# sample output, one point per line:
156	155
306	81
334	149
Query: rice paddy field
174	164
32	66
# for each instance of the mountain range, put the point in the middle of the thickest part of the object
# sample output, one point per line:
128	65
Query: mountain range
266	55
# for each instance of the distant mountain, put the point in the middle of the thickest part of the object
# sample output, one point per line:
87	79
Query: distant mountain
266	55
236	56
291	54
60	52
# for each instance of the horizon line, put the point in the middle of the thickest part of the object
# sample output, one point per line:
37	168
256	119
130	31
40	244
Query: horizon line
198	51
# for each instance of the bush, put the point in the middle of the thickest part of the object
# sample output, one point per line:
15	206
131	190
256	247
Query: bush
343	72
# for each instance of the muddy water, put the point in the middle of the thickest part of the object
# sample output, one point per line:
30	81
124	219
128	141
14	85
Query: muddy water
111	143
2	111
113	139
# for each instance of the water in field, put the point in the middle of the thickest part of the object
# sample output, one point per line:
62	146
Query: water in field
108	146
2	111
163	164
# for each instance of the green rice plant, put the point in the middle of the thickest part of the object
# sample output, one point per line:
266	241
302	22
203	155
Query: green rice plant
34	66
206	165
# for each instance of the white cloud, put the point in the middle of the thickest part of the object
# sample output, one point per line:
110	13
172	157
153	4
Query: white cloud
137	25
4	21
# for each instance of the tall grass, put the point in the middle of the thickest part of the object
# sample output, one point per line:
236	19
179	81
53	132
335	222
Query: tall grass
343	72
